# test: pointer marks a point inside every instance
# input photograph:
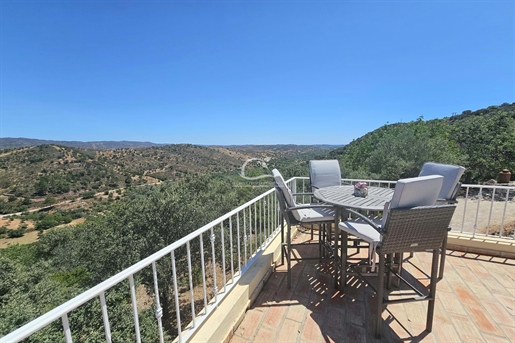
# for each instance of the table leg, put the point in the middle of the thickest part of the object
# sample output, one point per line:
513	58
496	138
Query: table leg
336	242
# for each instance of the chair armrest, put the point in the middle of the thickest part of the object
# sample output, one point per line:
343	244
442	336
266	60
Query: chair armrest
365	218
305	206
446	201
294	194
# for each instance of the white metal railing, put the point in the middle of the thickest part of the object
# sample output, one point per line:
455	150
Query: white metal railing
482	210
486	210
235	239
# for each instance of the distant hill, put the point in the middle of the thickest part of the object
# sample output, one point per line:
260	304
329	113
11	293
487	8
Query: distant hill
14	143
54	170
483	141
51	170
280	150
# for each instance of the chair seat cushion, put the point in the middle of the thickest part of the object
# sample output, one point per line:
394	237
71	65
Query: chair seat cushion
361	230
313	215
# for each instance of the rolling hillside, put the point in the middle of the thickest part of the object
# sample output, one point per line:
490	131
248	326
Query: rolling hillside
30	175
15	143
483	141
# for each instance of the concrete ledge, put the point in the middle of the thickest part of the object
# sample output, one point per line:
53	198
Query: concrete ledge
481	245
219	327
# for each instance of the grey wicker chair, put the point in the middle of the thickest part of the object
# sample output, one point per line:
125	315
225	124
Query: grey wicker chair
451	179
448	193
298	214
411	192
416	229
324	173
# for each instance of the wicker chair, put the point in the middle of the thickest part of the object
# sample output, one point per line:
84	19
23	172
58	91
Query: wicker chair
450	187
298	214
451	179
411	192
416	229
324	173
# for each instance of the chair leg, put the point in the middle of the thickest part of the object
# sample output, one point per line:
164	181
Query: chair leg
380	295
282	240
335	258
288	257
443	253
397	266
336	254
432	291
389	276
343	260
321	229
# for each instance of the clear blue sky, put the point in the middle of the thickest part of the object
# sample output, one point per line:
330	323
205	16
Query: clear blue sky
247	72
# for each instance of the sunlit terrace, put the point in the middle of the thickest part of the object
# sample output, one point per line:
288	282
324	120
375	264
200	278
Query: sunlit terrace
475	303
228	284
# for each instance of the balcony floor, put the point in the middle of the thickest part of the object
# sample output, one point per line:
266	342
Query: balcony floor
475	303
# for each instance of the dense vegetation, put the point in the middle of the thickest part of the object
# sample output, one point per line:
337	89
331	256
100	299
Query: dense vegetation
482	141
62	263
47	174
57	170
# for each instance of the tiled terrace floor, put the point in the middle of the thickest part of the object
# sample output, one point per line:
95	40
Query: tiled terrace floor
475	303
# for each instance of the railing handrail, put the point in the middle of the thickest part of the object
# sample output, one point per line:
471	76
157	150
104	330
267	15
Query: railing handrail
487	186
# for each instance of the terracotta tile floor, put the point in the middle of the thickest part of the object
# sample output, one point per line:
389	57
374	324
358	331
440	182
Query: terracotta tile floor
475	303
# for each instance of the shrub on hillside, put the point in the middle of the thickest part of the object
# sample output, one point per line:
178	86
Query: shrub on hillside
15	233
88	195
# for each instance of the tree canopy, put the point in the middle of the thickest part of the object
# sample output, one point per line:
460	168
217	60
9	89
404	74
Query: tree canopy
482	141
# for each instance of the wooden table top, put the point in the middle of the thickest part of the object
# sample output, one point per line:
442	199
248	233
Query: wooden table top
343	196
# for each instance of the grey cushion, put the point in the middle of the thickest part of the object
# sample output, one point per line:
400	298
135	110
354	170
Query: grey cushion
451	174
360	229
415	191
304	215
313	215
324	173
365	232
279	180
288	196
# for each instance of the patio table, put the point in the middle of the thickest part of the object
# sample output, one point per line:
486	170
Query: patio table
343	197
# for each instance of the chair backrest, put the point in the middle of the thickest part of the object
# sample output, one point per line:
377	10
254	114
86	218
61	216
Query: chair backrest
285	196
279	181
324	173
451	174
416	229
415	191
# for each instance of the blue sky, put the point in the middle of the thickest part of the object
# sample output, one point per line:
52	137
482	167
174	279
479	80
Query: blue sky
247	72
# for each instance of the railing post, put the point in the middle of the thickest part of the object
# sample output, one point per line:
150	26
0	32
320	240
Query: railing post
159	310
134	308
105	317
176	296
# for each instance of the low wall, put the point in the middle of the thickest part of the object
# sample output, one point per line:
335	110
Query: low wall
490	246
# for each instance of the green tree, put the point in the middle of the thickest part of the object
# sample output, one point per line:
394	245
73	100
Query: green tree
41	186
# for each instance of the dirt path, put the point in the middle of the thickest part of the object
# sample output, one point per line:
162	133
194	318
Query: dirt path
31	236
